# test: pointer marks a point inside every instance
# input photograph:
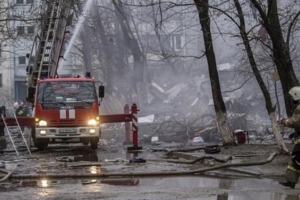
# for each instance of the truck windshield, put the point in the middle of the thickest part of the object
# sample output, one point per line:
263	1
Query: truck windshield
66	92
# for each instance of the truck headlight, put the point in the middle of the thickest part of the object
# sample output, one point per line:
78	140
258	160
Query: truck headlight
92	122
42	123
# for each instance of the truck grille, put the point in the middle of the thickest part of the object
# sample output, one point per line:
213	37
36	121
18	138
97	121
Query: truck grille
67	122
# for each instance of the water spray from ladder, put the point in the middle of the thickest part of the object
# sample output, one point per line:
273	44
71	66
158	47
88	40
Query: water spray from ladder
77	29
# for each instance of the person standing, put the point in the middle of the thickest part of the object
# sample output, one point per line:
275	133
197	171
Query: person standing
293	168
21	110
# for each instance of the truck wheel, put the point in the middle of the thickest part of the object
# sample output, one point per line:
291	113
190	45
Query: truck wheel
41	143
33	136
94	142
85	141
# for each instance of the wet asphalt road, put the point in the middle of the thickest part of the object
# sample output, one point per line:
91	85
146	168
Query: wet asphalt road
155	188
114	158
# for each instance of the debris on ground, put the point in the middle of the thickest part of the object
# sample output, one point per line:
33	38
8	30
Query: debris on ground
137	160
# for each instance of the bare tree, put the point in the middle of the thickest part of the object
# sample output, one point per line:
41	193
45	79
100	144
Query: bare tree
132	43
220	109
140	80
281	50
163	50
269	106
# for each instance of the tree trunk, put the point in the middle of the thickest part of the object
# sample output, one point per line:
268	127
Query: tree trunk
261	83
139	60
105	52
86	48
281	52
220	109
163	51
132	44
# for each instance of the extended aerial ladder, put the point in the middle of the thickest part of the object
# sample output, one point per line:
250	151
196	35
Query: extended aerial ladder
45	54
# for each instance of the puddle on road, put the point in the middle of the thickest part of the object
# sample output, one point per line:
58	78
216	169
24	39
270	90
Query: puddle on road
47	183
232	189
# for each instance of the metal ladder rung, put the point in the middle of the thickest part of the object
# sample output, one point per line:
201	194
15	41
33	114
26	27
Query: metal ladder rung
12	135
18	142
14	132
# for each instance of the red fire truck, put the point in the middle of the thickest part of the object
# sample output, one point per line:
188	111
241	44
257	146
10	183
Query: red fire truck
66	108
63	108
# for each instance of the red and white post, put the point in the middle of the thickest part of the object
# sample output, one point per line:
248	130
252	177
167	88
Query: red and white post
134	128
127	140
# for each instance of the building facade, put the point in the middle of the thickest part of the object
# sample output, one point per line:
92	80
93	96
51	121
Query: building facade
23	34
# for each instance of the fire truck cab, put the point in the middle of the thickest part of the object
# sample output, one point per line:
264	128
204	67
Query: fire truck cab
66	109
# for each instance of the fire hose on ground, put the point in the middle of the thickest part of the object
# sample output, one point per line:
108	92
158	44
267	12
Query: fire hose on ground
7	176
135	174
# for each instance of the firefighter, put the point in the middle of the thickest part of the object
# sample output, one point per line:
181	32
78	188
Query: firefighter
21	109
293	168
